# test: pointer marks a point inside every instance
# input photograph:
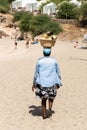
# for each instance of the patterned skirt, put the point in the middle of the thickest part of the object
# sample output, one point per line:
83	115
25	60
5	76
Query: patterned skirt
46	92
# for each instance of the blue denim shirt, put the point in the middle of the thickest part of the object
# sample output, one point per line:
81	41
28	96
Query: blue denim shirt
47	72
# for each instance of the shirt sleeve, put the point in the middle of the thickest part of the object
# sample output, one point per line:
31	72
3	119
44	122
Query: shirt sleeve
36	73
58	70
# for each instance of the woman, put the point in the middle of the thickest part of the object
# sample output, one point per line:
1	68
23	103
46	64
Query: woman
47	79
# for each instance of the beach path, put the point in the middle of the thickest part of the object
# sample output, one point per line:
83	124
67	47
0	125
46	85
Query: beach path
20	109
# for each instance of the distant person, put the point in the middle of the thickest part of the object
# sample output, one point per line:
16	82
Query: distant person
27	44
16	45
47	80
76	44
34	41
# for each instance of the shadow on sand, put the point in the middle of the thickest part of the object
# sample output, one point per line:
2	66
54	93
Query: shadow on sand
37	111
75	58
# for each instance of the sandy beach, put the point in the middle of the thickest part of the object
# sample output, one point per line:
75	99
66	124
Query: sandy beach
20	109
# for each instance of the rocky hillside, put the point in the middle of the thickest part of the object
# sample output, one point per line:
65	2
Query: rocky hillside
6	25
70	31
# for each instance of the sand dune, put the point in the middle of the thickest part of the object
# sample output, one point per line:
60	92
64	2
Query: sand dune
20	109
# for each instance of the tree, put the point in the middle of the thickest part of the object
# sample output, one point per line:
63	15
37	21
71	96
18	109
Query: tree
67	10
4	6
10	1
84	11
58	1
83	15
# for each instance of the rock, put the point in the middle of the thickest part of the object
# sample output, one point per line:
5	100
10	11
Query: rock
10	25
82	30
3	34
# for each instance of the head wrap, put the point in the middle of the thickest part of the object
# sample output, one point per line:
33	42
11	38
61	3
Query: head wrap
47	50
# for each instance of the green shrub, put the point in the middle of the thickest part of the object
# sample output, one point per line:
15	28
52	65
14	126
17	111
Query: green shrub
54	27
43	23
38	25
41	19
4	9
25	22
4	6
21	15
36	30
24	25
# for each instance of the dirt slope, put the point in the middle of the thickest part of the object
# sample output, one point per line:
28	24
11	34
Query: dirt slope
70	31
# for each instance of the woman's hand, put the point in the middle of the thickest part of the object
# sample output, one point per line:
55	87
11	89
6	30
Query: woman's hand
33	87
57	85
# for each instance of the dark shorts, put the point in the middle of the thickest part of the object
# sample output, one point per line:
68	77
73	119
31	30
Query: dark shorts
46	92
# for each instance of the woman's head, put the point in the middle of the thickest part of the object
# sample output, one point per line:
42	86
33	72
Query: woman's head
47	51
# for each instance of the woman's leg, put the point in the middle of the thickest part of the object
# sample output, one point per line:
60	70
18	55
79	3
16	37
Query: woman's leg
50	103
44	107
